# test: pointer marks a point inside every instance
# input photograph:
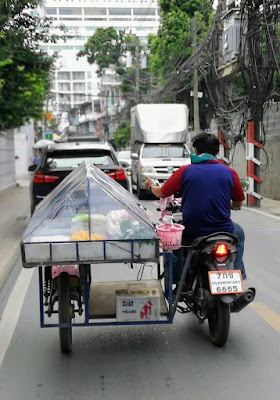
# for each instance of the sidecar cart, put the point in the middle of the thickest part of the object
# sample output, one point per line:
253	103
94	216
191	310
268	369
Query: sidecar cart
98	257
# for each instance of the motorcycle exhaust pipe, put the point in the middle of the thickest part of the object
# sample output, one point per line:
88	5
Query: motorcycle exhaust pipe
243	300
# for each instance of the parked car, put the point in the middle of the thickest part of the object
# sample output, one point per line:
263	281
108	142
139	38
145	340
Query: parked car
124	157
58	160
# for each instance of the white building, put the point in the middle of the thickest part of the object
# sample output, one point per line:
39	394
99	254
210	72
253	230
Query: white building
75	80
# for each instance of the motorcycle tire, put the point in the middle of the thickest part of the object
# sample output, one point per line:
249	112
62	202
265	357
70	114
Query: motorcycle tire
64	312
219	322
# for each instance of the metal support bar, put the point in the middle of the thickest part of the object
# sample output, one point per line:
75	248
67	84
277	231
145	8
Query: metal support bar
224	149
253	166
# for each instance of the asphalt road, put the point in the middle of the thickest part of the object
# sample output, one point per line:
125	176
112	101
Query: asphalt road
164	362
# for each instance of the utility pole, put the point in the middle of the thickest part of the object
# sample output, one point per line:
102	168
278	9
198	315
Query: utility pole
137	71
224	147
195	84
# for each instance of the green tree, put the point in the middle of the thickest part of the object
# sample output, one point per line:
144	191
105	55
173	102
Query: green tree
173	43
122	135
105	48
25	70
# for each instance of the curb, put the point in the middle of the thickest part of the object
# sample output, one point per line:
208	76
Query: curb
8	261
262	212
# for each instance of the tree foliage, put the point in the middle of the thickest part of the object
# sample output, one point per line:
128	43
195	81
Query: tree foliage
173	42
105	48
122	135
25	70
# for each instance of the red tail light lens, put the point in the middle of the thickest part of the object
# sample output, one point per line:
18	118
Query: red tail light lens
41	178
221	250
118	175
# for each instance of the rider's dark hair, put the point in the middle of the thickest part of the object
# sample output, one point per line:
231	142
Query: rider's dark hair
206	143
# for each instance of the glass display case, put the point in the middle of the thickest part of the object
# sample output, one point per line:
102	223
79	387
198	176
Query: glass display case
89	218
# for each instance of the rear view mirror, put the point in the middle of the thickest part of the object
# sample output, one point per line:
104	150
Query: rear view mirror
32	168
124	164
134	156
244	184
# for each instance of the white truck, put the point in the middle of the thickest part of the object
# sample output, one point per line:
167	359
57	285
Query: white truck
158	143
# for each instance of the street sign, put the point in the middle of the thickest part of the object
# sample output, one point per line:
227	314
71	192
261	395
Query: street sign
48	135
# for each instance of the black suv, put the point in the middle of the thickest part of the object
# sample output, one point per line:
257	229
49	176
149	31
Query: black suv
58	160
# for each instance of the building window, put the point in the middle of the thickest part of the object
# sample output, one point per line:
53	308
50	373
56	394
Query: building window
88	74
79	87
89	85
51	11
90	28
70	19
144	11
70	11
94	11
79	98
78	75
119	11
65	86
63	76
95	19
120	19
64	98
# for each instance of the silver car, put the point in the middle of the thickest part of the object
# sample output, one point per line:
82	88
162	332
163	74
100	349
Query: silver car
124	157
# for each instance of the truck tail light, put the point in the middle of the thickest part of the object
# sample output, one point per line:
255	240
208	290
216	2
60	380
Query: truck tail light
42	178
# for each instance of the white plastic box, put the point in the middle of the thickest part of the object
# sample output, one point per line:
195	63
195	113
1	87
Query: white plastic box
137	305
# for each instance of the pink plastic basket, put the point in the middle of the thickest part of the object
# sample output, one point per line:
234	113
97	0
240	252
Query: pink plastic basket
170	236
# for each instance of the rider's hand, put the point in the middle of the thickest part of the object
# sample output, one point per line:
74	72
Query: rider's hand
236	205
149	182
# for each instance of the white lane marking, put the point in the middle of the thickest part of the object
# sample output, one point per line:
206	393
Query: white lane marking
12	311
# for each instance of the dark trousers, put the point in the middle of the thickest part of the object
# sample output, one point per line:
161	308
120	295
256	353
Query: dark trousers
179	255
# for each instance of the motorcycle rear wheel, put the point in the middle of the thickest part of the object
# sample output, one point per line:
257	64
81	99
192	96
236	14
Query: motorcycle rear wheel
64	312
219	323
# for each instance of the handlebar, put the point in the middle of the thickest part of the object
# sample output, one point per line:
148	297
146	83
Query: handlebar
174	206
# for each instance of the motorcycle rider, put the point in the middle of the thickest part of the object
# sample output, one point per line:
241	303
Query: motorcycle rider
209	190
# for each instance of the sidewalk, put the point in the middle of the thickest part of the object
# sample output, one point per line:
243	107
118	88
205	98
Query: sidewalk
15	215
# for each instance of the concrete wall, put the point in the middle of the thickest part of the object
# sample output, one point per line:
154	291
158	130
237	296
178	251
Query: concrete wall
7	160
24	154
270	156
16	154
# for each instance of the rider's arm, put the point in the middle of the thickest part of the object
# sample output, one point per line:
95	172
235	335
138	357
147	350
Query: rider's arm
237	194
236	205
171	186
156	190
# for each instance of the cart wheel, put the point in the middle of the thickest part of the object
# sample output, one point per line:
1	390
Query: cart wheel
64	312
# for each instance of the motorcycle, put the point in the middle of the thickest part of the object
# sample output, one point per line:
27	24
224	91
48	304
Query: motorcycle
210	287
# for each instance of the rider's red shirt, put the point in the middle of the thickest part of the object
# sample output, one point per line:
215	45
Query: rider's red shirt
207	189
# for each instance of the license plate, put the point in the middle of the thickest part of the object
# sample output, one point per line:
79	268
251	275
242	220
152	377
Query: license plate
225	282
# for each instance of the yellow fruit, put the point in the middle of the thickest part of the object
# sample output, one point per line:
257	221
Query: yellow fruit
82	235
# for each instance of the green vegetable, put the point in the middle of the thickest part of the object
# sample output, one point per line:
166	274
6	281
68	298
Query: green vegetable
80	217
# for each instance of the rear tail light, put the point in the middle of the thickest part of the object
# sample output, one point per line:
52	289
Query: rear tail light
118	175
221	252
42	178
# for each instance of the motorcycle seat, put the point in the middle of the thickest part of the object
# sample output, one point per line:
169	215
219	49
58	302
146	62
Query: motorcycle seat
213	237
